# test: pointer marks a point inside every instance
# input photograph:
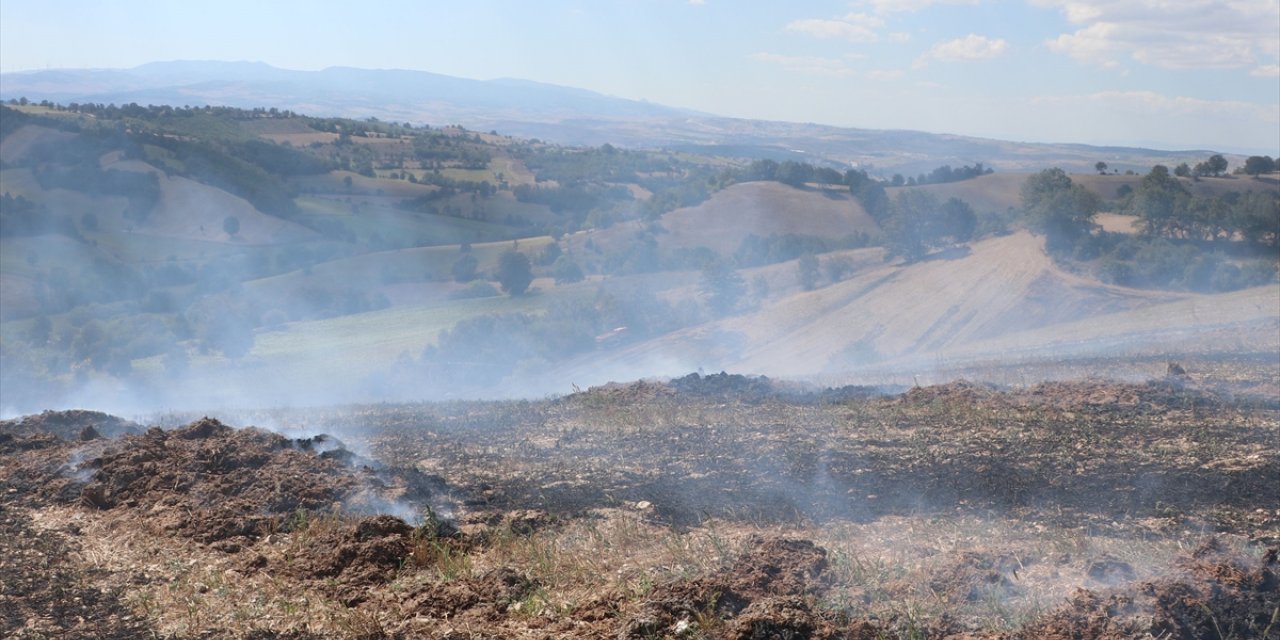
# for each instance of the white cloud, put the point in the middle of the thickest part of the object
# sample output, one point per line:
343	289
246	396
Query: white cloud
1266	71
854	27
967	49
1182	34
697	1
808	65
896	6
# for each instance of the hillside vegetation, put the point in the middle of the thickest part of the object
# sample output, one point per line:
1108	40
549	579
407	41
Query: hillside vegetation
190	255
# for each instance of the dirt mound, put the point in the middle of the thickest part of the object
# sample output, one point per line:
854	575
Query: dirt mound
345	559
725	385
1213	595
961	391
207	481
75	424
486	597
618	392
975	576
1153	396
766	593
214	483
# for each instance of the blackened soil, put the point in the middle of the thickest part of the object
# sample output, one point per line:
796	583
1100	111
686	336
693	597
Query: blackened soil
44	594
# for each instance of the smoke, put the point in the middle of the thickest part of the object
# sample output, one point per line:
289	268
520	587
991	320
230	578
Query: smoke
134	288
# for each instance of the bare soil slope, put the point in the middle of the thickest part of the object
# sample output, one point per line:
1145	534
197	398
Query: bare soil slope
1002	295
765	208
190	210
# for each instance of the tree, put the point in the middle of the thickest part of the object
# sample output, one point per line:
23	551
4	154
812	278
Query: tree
722	286
515	273
911	229
1101	167
1182	170
1056	207
870	193
567	270
1257	217
1258	165
1160	201
1217	164
231	225
1214	166
837	267
958	221
464	268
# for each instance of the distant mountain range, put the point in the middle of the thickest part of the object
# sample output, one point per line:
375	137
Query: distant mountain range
554	113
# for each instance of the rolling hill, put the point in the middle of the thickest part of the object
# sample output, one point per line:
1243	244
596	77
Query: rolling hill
1000	302
359	246
559	114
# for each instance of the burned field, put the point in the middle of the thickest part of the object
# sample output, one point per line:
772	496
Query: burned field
706	507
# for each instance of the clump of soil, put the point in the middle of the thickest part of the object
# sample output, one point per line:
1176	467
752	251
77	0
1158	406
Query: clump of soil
640	390
214	483
975	576
725	385
348	557
207	481
487	597
1102	396
1212	595
766	593
75	424
960	391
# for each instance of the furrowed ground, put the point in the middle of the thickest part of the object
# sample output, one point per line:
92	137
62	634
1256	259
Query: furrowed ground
705	507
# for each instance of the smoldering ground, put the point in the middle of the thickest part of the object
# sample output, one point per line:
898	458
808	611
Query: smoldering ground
970	507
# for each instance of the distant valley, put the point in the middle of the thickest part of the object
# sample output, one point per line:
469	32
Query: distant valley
558	114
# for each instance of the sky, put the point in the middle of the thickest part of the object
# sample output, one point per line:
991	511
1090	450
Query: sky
1171	74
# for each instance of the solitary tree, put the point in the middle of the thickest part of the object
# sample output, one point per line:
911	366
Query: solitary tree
1217	165
958	221
515	273
567	270
1159	201
911	230
1258	165
464	268
1056	207
1101	167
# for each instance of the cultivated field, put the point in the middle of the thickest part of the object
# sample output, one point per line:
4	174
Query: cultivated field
713	506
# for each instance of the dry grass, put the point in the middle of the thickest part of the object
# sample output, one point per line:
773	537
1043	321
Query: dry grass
943	504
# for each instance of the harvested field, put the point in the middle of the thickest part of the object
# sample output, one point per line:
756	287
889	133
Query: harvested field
713	506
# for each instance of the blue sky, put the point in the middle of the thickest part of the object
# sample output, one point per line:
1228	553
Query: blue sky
1165	73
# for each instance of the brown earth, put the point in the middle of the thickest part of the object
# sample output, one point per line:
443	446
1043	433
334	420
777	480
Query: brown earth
716	506
1000	300
763	209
